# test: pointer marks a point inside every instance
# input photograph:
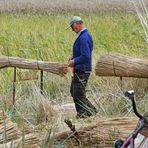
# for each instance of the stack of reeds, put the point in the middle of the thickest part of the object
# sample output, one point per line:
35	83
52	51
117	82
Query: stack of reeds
53	67
121	66
11	136
102	134
8	130
28	141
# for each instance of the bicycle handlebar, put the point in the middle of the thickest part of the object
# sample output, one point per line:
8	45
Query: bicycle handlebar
131	95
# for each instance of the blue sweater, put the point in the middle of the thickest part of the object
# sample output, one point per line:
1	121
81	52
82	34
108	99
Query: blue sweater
82	51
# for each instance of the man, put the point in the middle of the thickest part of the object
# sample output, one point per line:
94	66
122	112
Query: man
81	62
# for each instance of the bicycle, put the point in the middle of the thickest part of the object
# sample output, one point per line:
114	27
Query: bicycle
142	125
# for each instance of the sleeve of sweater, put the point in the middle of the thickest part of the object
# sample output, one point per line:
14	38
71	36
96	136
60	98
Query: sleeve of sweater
84	52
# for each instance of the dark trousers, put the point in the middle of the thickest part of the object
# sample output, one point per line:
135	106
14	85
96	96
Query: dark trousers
78	92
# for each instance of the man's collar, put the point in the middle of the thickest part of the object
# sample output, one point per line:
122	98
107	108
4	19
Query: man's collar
78	34
81	31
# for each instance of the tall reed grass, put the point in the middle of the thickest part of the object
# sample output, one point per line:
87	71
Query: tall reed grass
142	12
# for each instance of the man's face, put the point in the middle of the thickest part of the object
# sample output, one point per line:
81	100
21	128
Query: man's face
76	27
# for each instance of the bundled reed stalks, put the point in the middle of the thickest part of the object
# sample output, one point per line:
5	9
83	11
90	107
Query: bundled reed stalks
8	130
121	66
11	136
102	134
53	67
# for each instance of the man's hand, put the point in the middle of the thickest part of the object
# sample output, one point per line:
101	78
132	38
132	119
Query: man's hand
62	69
71	63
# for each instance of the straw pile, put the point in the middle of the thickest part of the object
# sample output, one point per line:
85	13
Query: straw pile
121	66
53	67
102	134
11	136
8	130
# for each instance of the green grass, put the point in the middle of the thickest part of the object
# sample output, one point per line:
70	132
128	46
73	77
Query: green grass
46	37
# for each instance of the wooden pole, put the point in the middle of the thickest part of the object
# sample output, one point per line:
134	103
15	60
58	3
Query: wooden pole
14	86
41	82
121	78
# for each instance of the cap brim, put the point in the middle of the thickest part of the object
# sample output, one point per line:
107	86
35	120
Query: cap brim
68	27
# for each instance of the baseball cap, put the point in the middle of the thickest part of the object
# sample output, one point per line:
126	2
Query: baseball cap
74	19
